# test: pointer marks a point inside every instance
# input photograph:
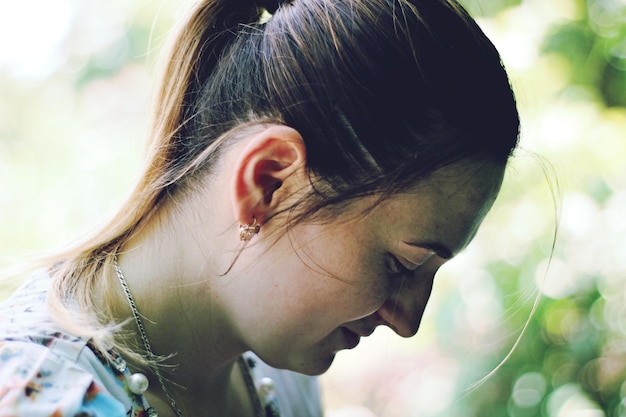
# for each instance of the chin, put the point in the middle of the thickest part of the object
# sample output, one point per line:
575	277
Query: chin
304	365
315	368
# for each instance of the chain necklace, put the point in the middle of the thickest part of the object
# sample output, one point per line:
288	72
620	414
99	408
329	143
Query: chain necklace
144	338
258	408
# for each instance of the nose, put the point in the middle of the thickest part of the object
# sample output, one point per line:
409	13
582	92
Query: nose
402	311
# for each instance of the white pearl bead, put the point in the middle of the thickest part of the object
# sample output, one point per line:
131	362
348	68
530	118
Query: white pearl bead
138	383
267	388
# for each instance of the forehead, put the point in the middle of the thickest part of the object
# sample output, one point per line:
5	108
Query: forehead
466	182
446	208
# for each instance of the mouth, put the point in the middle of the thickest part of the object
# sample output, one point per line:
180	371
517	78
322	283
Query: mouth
351	338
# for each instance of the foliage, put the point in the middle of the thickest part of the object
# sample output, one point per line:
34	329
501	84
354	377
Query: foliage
595	48
572	358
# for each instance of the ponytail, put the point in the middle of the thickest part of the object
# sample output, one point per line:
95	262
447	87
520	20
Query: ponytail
194	53
82	267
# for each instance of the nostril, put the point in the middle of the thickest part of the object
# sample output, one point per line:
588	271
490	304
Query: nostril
401	322
380	321
392	327
388	317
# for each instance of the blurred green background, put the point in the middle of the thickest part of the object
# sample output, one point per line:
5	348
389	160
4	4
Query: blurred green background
75	85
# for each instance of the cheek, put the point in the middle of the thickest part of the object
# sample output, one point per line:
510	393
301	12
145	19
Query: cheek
360	283
335	272
332	294
343	297
365	292
367	284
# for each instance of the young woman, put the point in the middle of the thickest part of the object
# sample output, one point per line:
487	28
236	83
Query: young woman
311	166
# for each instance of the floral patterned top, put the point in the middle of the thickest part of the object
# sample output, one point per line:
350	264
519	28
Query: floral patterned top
44	371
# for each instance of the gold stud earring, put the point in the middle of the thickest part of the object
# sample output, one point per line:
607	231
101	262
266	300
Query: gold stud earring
248	231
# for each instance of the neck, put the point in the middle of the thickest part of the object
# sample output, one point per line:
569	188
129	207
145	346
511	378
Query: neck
170	309
185	322
200	375
224	394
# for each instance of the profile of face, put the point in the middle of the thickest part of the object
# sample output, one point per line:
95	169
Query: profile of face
331	284
297	295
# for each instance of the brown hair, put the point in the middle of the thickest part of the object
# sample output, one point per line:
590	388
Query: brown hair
383	92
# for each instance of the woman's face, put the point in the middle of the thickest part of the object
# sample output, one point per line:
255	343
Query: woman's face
321	288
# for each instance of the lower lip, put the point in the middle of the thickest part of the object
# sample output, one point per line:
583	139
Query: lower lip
352	339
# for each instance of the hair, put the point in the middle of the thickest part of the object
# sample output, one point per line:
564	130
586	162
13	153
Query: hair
383	92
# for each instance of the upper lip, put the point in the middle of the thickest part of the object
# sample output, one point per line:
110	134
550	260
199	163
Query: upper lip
361	332
366	326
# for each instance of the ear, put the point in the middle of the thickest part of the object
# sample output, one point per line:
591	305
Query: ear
264	173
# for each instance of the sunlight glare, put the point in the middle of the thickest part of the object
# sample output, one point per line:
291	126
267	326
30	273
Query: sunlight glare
39	25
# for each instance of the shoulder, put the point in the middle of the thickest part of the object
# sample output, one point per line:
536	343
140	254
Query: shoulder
46	371
37	380
298	395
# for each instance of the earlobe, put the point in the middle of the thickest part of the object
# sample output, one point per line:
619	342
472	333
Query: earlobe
266	173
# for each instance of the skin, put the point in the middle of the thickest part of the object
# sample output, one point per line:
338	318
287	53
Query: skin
295	298
346	278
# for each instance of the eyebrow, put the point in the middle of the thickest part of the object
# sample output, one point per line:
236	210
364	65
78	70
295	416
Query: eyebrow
441	250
